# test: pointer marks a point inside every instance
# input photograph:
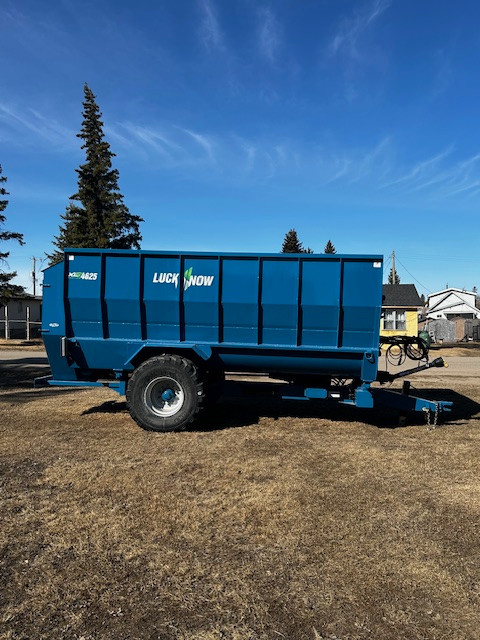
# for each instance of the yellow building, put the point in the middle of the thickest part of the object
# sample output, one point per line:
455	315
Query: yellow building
400	307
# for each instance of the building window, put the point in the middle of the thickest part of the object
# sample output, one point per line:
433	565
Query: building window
20	306
395	320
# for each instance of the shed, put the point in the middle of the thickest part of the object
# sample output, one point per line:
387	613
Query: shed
19	310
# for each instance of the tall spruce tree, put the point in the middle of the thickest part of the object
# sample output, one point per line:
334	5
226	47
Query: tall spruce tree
329	248
393	277
96	215
291	243
7	289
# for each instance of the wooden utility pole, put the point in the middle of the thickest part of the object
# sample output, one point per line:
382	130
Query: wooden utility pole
34	275
394	271
34	272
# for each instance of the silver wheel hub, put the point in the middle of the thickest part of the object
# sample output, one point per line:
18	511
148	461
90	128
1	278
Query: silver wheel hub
164	396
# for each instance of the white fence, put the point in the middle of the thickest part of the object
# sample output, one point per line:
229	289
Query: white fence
19	328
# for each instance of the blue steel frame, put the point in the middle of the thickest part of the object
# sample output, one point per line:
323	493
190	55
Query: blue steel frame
364	397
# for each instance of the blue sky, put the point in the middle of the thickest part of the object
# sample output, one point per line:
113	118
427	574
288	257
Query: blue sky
232	121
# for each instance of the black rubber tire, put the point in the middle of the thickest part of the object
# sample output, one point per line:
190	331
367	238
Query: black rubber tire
184	373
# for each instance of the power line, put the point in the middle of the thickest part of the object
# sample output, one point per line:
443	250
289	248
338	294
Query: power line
385	265
428	258
412	276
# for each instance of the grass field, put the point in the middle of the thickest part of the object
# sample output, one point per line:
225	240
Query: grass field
267	520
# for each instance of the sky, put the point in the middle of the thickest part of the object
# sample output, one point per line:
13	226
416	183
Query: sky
233	121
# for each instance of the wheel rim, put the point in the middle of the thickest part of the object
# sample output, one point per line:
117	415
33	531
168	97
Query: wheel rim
164	396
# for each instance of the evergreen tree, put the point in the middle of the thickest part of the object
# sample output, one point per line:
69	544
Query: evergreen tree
393	277
7	289
96	215
291	243
329	248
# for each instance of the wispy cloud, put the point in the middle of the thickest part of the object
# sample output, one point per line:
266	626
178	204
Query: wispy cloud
465	176
420	171
376	161
443	73
236	158
41	36
461	178
361	165
250	152
12	14
177	146
341	168
156	139
439	179
348	34
203	141
210	31
29	121
269	36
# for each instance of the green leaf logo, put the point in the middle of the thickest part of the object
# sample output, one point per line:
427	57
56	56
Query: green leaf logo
188	273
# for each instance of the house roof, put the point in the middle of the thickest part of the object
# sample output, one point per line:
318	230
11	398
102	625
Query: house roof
451	290
25	296
401	295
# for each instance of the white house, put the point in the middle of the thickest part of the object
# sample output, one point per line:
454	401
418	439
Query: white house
452	303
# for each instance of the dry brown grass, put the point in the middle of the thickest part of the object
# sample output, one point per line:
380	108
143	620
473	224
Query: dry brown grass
266	522
468	349
32	345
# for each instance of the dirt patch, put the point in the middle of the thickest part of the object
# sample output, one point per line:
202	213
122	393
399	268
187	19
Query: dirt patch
267	520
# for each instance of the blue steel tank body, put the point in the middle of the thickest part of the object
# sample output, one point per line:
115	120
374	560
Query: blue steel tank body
106	311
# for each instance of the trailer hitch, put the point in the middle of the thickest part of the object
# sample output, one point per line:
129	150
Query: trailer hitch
386	376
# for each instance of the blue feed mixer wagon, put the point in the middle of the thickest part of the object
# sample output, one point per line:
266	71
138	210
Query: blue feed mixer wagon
165	327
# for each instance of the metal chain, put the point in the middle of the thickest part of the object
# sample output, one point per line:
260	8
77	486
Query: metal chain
427	417
428	412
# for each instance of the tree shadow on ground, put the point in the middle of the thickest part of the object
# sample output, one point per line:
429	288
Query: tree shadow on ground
17	379
236	412
20	397
21	374
29	360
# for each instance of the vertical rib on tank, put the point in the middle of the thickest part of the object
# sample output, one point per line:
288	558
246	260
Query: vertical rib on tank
272	313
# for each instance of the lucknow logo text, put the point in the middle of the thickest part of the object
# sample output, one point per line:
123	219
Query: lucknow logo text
189	280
